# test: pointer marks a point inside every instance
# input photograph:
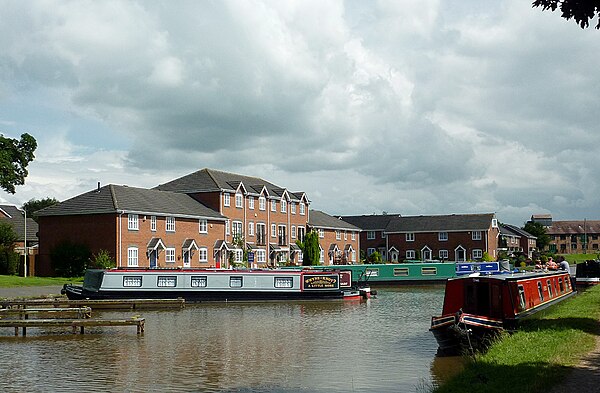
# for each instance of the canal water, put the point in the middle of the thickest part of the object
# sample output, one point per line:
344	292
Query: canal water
381	345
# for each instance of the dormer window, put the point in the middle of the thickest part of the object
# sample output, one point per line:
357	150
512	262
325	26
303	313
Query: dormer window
273	205
262	203
302	209
239	200
283	206
226	199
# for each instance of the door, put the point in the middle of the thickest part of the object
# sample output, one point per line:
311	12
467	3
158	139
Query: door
153	259
186	259
426	254
460	254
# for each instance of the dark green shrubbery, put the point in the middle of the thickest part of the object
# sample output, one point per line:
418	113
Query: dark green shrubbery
70	259
102	260
9	260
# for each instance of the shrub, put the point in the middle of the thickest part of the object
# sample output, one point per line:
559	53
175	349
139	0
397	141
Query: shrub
9	261
102	260
70	259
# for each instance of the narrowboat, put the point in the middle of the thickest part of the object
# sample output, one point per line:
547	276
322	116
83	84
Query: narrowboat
587	273
477	307
216	285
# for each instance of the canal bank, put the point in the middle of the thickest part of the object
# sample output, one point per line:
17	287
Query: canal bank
556	349
30	291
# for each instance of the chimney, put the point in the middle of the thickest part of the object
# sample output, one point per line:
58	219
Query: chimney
98	186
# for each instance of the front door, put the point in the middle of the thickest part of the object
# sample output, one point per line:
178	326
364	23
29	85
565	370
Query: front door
426	254
460	254
153	258
186	259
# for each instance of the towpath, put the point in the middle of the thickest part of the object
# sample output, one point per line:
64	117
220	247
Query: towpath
42	291
585	376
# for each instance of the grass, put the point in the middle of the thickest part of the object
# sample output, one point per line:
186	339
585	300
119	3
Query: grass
578	258
539	354
16	281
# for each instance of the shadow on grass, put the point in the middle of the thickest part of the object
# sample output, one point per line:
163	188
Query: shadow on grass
587	325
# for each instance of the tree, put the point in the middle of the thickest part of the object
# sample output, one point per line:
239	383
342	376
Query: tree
580	10
311	252
15	155
9	259
102	260
375	257
34	205
539	231
70	259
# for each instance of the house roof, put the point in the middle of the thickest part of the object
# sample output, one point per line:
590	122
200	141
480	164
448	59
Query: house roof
372	222
16	218
212	180
511	230
573	227
448	223
115	199
318	219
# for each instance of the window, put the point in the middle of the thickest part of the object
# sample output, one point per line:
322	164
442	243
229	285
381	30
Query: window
132	222
370	251
227	232
476	235
292	207
322	256
410	237
236	281
251	228
549	288
153	223
302	209
429	271
166	281
239	200
301	232
477	254
262	203
226	200
293	232
132	256
410	254
540	291
132	281
202	226
353	235
239	255
372	272
273	205
170	255
400	271
443	254
198	281
382	235
251	202
442	236
321	232
237	228
353	259
521	297
261	256
203	254
338	235
170	226
560	285
284	282
345	235
283	206
370	235
494	223
273	230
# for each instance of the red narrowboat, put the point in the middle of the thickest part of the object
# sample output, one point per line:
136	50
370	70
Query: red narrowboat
478	307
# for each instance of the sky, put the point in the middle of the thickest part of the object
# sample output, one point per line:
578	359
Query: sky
414	107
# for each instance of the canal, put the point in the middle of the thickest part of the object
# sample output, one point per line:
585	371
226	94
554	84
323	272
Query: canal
381	345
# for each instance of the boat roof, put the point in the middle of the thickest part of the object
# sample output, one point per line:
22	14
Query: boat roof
510	276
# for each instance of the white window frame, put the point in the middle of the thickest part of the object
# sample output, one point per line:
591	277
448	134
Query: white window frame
370	235
322	256
239	200
302	209
443	254
353	258
410	254
227	230
273	230
476	235
251	228
345	235
262	203
371	250
261	256
251	202
353	237
202	226
133	222
170	224
273	205
301	233
338	235
321	232
203	254
226	199
443	236
132	257
283	206
237	228
170	255
293	231
477	253
410	237
293	207
153	223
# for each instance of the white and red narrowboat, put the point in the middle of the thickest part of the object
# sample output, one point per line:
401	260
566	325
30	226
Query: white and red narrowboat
216	285
478	307
587	273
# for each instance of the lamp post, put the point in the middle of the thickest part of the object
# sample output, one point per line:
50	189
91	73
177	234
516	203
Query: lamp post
25	246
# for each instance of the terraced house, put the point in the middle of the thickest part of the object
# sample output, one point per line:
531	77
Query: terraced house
339	241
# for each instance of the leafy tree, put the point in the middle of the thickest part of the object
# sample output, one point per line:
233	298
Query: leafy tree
374	257
311	252
9	259
34	205
538	230
70	259
102	260
487	257
15	155
580	10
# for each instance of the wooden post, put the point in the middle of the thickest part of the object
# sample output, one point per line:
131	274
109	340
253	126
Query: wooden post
16	331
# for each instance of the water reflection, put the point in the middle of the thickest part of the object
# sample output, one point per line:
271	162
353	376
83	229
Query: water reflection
382	345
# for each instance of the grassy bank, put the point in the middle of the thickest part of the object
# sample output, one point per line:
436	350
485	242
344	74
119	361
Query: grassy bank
539	355
15	281
578	258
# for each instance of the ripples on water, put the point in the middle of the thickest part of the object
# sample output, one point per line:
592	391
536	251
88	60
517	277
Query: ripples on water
382	345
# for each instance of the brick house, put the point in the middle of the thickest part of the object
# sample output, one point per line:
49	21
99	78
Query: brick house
574	237
267	218
516	240
16	218
339	240
458	237
137	226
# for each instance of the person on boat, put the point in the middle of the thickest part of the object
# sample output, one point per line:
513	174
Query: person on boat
551	265
564	265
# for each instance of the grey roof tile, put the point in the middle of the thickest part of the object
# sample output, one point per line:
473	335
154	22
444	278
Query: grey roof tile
452	222
16	218
319	219
370	222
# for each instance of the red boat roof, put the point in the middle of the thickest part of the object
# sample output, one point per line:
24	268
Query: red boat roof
511	276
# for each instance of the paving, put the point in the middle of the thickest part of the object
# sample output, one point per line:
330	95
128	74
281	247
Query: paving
41	291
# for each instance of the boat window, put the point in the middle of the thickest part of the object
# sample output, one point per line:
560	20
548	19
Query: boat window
567	284
198	281
549	288
470	301
284	282
235	281
400	271
166	281
429	271
540	291
521	297
132	281
560	285
372	272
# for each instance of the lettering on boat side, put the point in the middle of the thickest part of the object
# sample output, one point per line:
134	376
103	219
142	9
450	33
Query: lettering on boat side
320	282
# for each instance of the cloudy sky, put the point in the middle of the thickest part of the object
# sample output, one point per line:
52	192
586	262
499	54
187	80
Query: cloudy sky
411	107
